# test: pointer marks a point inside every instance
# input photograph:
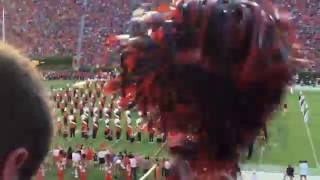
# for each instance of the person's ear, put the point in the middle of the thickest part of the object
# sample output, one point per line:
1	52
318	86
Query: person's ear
13	162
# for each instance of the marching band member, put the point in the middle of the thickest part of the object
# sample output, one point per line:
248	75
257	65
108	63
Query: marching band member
65	117
129	126
59	126
107	130
84	128
65	132
95	128
118	128
73	126
116	113
95	111
91	109
81	108
139	129
100	111
105	111
61	106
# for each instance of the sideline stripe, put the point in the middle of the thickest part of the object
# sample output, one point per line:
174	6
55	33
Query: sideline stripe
160	149
154	166
148	173
312	145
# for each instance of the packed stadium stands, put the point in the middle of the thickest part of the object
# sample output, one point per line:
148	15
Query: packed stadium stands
58	22
305	18
45	28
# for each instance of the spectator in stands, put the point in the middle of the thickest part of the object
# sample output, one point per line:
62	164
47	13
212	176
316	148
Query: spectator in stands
25	117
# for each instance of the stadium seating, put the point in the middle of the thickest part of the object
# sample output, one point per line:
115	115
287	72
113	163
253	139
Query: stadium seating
305	17
45	28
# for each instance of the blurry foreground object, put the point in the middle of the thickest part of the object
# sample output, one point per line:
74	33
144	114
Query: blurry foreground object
212	73
25	118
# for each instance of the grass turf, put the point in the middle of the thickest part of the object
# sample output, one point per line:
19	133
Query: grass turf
144	148
288	140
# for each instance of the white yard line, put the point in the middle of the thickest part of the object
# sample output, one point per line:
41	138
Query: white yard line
312	145
148	173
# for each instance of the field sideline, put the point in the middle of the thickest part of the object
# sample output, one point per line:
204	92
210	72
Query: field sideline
289	141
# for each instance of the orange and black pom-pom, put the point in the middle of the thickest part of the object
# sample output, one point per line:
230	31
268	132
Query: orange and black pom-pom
216	77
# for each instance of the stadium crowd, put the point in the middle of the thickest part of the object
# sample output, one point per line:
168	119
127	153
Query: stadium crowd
305	18
46	28
58	25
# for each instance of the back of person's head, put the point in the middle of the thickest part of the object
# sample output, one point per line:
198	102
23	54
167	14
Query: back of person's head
25	117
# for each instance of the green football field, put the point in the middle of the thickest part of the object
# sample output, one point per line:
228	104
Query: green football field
144	148
290	139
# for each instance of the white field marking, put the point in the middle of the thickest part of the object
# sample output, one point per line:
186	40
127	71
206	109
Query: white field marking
148	173
311	142
312	145
160	149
